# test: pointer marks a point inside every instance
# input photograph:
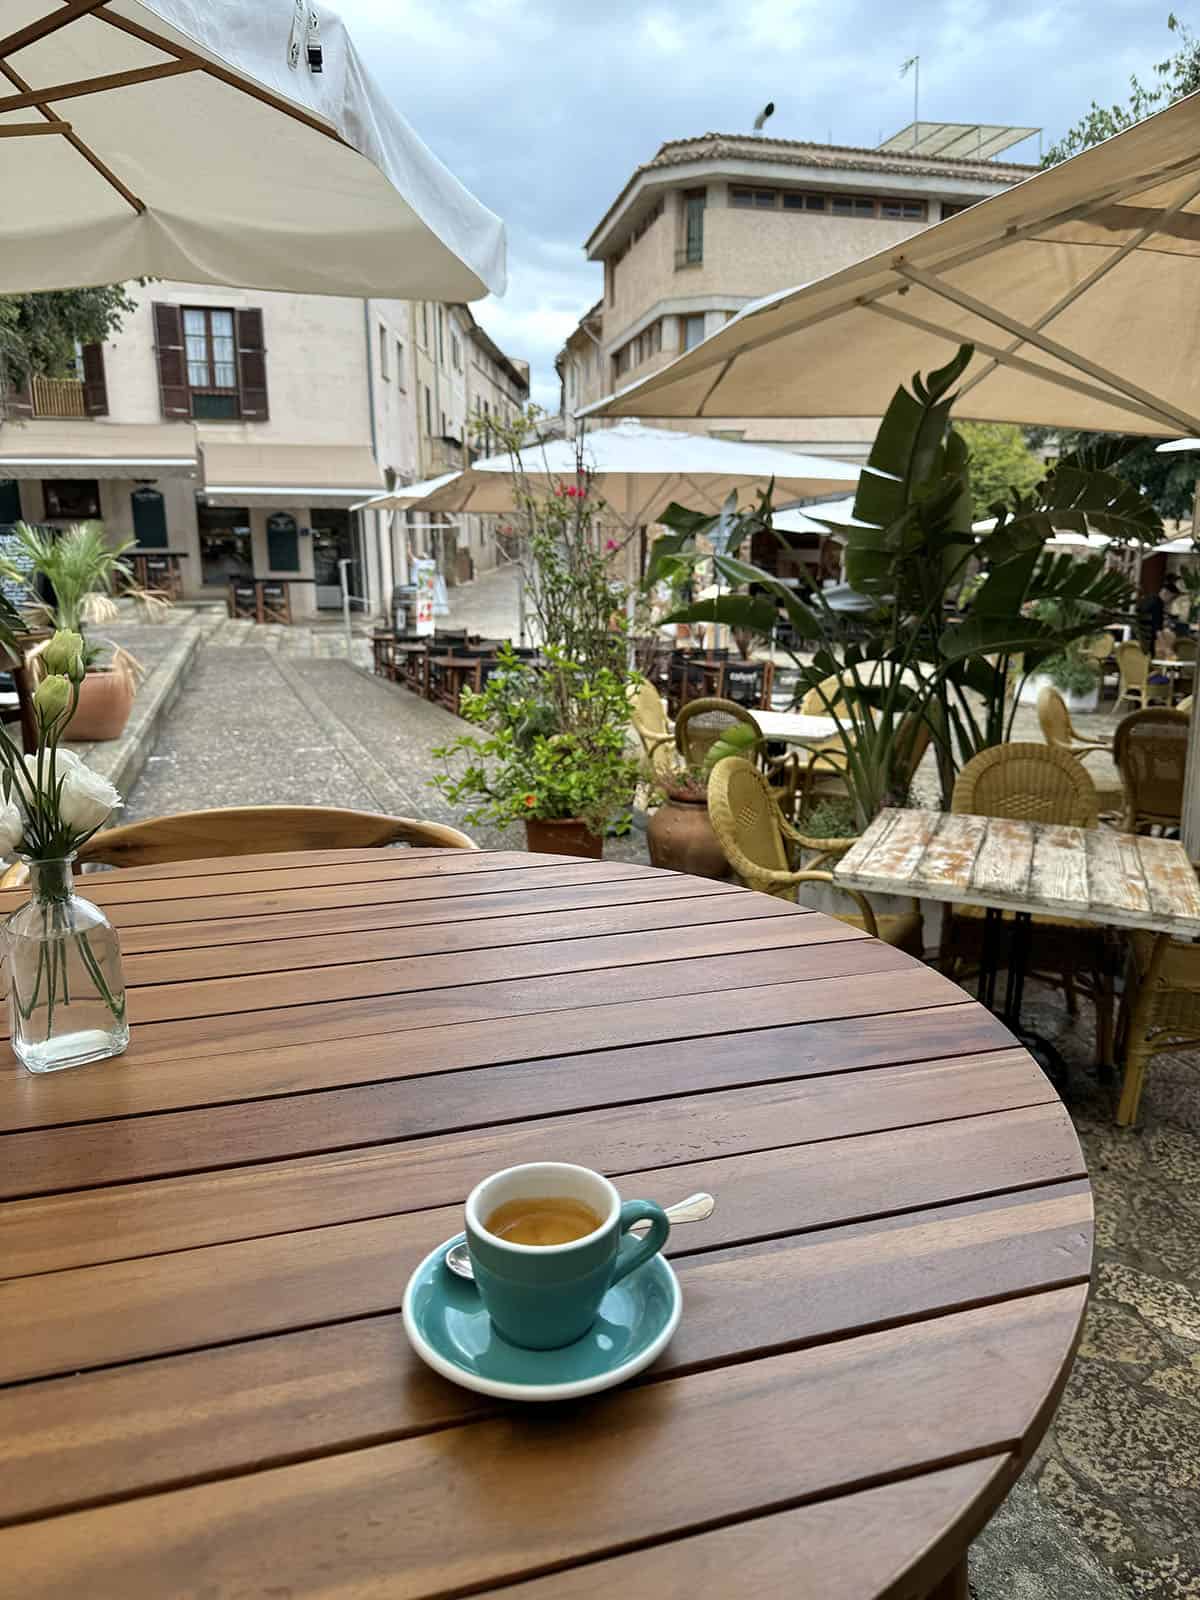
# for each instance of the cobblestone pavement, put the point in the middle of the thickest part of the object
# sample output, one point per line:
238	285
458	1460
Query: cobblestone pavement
1110	1507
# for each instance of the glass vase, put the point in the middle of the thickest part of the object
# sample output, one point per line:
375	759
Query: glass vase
66	990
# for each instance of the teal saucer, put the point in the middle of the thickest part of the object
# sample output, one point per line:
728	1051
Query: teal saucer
450	1331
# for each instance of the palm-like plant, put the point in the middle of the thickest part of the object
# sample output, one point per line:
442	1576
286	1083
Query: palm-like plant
79	566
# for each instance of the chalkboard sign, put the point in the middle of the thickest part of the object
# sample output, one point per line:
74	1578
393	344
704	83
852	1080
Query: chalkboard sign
283	543
149	519
10	501
20	591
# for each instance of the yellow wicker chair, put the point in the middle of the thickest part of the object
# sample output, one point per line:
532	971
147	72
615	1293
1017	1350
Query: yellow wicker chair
701	723
648	718
754	834
1099	648
1133	664
1150	749
1060	733
1036	783
1160	1010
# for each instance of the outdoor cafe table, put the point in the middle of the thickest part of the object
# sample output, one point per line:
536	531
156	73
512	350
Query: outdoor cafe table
206	1386
792	727
1096	875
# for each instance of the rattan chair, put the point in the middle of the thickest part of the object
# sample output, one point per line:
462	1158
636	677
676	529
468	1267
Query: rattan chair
1036	783
1060	733
701	723
1150	749
1160	1010
1133	664
1099	648
252	830
648	718
754	835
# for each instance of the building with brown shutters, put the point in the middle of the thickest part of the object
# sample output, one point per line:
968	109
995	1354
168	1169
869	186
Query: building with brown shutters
230	432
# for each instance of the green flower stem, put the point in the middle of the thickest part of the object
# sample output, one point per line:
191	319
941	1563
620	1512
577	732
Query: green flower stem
117	1007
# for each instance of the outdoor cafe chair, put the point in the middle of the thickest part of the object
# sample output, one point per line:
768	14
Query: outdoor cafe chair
747	683
252	830
1060	733
1133	664
1036	783
701	723
1160	1010
648	718
754	835
1150	749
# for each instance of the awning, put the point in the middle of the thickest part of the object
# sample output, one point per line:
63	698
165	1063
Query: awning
97	450
288	474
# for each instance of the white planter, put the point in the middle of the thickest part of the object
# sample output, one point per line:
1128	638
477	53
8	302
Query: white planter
1038	681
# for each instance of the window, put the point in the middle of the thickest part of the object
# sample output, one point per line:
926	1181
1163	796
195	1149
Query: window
455	351
428	411
424	325
400	364
847	205
441	330
752	199
693	223
952	208
902	210
71	499
210	348
691	331
383	352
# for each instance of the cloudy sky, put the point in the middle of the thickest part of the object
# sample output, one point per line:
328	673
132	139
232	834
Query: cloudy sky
544	107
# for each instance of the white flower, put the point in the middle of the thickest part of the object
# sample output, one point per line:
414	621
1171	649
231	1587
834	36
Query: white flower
87	799
12	827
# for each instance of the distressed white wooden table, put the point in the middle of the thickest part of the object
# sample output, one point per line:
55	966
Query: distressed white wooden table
1121	880
791	727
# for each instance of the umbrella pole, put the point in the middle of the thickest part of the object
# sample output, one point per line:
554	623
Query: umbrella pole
1191	777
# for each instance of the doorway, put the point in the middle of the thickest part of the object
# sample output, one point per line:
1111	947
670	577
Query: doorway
225	549
335	538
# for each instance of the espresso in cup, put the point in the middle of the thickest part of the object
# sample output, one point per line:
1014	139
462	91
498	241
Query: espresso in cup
544	1220
547	1241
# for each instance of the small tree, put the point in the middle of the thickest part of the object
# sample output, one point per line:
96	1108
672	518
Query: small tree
1001	462
39	332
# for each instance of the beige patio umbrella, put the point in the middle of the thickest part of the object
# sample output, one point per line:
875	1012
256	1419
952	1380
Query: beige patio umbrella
229	142
638	471
1078	289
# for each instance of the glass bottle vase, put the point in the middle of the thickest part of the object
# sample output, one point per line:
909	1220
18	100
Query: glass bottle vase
66	990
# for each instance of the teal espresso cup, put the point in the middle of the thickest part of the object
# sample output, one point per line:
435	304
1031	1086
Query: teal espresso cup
542	1296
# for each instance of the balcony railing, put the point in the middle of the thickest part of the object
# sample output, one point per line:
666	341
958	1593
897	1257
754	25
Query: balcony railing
58	397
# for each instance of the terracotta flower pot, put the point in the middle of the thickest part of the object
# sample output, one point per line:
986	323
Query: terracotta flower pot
563	836
105	701
681	838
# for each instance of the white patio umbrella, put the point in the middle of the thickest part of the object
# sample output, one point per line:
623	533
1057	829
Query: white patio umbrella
226	143
1077	288
638	471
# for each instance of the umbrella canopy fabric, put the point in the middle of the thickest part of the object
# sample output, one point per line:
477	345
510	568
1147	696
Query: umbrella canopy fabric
196	142
1077	288
407	495
638	471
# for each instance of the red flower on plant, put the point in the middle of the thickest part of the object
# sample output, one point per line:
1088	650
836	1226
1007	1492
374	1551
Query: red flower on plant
530	801
610	544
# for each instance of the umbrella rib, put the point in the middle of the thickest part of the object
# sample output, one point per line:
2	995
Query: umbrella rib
27	130
82	86
222	74
1050	347
51	23
77	144
1021	364
1134	242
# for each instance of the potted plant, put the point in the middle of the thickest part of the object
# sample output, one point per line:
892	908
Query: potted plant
679	835
80	565
551	753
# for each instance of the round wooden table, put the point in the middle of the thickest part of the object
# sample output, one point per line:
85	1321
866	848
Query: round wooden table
208	1390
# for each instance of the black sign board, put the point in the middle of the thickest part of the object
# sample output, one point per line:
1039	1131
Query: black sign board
10	501
20	591
149	518
283	543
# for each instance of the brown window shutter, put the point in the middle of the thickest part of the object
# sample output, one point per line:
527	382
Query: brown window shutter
95	389
173	394
18	398
252	365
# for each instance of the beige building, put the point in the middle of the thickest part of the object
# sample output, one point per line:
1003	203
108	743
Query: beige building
229	432
710	224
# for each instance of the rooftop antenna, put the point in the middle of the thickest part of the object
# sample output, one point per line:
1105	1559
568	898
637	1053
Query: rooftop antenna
915	63
760	120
